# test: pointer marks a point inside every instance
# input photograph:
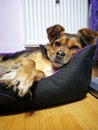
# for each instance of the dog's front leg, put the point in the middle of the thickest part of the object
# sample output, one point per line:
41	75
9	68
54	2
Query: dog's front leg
26	75
21	76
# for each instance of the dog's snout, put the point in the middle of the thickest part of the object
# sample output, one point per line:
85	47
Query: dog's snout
60	54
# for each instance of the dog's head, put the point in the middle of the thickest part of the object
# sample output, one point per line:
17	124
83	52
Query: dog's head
63	45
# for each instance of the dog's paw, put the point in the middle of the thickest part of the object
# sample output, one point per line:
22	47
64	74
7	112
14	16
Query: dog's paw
22	93
8	80
24	86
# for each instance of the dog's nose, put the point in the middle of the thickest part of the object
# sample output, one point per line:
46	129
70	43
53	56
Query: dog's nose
60	54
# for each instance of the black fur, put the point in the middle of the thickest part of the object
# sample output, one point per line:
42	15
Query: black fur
44	51
15	55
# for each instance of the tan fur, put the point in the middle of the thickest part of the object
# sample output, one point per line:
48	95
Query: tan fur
20	73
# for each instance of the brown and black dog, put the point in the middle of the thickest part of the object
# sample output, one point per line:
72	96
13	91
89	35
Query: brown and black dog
22	69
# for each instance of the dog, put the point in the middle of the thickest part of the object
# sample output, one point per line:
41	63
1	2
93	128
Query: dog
21	69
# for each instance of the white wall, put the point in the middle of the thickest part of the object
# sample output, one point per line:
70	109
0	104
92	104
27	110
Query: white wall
11	38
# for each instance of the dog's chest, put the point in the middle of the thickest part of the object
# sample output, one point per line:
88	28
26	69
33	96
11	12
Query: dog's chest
43	64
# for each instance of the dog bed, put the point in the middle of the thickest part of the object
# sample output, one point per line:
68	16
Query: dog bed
68	84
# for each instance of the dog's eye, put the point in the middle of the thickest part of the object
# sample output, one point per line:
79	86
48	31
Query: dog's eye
74	48
57	44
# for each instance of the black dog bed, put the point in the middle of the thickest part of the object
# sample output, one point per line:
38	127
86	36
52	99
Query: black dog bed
68	84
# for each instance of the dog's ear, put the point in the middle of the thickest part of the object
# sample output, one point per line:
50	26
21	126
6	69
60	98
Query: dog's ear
88	35
53	31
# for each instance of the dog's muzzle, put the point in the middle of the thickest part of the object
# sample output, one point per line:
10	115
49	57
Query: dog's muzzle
59	59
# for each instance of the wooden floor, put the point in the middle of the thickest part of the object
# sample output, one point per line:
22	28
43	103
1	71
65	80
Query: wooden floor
80	115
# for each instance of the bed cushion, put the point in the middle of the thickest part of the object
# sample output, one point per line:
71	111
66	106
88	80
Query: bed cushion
68	84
